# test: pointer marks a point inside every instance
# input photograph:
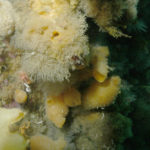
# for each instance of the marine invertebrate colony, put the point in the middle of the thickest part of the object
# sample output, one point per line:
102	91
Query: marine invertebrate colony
53	38
54	34
101	94
58	78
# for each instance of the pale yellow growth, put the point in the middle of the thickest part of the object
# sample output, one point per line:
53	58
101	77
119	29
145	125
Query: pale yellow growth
56	110
100	63
53	38
72	97
41	142
6	18
19	117
20	96
52	7
10	141
101	94
42	7
53	32
98	76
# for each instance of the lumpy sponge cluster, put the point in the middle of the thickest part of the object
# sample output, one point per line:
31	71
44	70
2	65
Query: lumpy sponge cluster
51	34
52	38
55	82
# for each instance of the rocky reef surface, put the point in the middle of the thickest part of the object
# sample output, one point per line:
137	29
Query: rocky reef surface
63	79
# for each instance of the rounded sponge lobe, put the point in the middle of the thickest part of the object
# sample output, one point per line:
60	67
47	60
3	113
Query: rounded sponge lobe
6	18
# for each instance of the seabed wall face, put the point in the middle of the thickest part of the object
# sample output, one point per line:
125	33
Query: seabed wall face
74	74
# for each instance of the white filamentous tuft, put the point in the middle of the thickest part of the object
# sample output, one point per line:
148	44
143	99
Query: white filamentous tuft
49	41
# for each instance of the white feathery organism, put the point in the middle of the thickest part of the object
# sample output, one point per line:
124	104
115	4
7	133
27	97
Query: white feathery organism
49	41
50	33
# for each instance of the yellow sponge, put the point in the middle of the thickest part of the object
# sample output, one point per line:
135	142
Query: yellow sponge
20	96
100	62
56	110
72	97
101	94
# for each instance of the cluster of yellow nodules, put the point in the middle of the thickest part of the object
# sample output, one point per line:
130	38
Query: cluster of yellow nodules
100	93
57	107
103	90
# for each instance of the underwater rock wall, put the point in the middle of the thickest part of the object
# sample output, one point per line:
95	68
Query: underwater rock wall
64	83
